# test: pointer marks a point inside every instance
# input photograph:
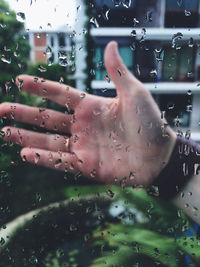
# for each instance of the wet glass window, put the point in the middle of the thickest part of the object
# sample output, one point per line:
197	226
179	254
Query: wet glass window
81	154
182	13
178	65
126	54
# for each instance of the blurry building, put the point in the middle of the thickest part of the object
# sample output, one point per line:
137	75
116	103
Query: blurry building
65	46
53	47
159	42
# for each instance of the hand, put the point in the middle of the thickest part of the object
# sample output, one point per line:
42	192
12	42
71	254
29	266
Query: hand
108	139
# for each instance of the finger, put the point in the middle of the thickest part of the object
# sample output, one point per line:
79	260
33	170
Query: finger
45	118
50	159
27	138
62	94
121	76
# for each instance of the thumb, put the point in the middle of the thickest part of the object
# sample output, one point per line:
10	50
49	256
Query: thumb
118	72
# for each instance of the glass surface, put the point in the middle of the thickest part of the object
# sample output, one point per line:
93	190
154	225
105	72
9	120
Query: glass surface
65	217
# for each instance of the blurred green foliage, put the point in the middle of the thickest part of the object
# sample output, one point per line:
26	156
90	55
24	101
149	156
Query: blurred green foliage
14	48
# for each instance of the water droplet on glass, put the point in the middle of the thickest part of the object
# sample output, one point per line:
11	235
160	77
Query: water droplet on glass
72	228
149	16
179	2
170	105
8	132
105	11
191	42
42	68
5	60
93	173
36	158
110	193
38	197
58	163
20	16
132	46
187	13
153	73
176	40
61	80
126	3
94	22
159	54
135	22
50	61
2	241
82	95
48	50
133	33
189	108
107	78
116	2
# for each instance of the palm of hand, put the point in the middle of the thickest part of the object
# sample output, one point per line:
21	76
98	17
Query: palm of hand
111	139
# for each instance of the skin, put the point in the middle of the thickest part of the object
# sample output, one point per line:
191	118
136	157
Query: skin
108	139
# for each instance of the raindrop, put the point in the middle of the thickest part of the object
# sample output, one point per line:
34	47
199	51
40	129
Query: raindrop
2	241
133	33
48	50
107	78
36	158
153	73
116	2
94	22
61	81
138	69
93	173
78	8
20	16
132	46
82	95
110	193
191	42
5	60
38	197
126	3
179	2
106	11
189	108
119	71
149	16
189	92
170	106
58	163
72	228
50	61
159	54
86	237
176	40
42	68
24	158
188	134
92	72
8	132
187	13
135	22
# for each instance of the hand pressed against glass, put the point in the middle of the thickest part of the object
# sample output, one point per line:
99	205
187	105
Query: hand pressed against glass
110	138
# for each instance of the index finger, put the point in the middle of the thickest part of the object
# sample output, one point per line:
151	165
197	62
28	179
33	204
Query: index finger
63	95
